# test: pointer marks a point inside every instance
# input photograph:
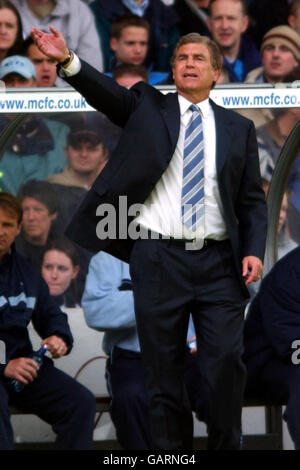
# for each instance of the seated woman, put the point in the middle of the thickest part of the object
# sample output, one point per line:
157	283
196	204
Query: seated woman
60	265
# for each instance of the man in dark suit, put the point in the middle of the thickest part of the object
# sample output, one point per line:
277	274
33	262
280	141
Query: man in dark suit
170	145
272	341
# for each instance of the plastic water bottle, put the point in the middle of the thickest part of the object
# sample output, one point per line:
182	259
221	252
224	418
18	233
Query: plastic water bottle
38	357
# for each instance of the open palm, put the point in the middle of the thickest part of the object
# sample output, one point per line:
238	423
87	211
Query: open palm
51	44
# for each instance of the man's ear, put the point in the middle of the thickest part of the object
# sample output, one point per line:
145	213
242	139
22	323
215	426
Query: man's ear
291	21
105	153
19	228
113	44
245	23
208	24
53	216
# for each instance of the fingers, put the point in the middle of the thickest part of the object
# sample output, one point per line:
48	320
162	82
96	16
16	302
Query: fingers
28	373
56	346
23	369
252	269
54	31
36	33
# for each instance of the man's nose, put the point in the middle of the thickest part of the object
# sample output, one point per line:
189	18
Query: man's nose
190	62
30	214
224	23
276	51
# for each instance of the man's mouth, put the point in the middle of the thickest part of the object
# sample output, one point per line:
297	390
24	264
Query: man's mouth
275	64
190	75
45	78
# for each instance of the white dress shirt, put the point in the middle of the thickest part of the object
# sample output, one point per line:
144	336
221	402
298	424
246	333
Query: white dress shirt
161	212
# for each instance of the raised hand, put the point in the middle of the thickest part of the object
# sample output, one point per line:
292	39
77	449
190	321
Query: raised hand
51	44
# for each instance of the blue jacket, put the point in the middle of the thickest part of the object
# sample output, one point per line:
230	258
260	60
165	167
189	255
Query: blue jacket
106	306
247	60
24	296
108	303
273	320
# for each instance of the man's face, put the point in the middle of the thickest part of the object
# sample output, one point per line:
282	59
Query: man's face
193	70
14	80
9	229
277	61
86	158
8	28
36	220
132	46
227	23
44	66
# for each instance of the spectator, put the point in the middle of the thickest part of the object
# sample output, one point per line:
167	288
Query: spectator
86	155
40	206
129	41
163	22
45	67
193	16
73	17
36	149
271	138
11	32
280	51
272	325
294	15
51	394
128	75
60	265
284	241
228	21
18	71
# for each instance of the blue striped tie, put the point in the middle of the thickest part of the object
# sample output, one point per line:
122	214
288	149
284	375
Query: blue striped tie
192	194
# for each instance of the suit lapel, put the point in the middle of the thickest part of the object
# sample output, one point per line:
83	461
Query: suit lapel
224	129
224	135
171	113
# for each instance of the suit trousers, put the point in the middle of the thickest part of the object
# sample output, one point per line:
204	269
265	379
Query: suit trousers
169	283
129	408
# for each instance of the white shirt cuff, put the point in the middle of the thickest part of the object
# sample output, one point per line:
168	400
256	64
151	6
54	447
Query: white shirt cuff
72	69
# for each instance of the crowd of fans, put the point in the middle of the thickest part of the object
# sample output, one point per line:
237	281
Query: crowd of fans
50	163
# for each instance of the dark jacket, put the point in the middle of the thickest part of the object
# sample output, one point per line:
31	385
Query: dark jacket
24	296
151	122
163	26
248	56
273	320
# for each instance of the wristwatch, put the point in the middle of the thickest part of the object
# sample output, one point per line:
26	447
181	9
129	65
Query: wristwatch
67	60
